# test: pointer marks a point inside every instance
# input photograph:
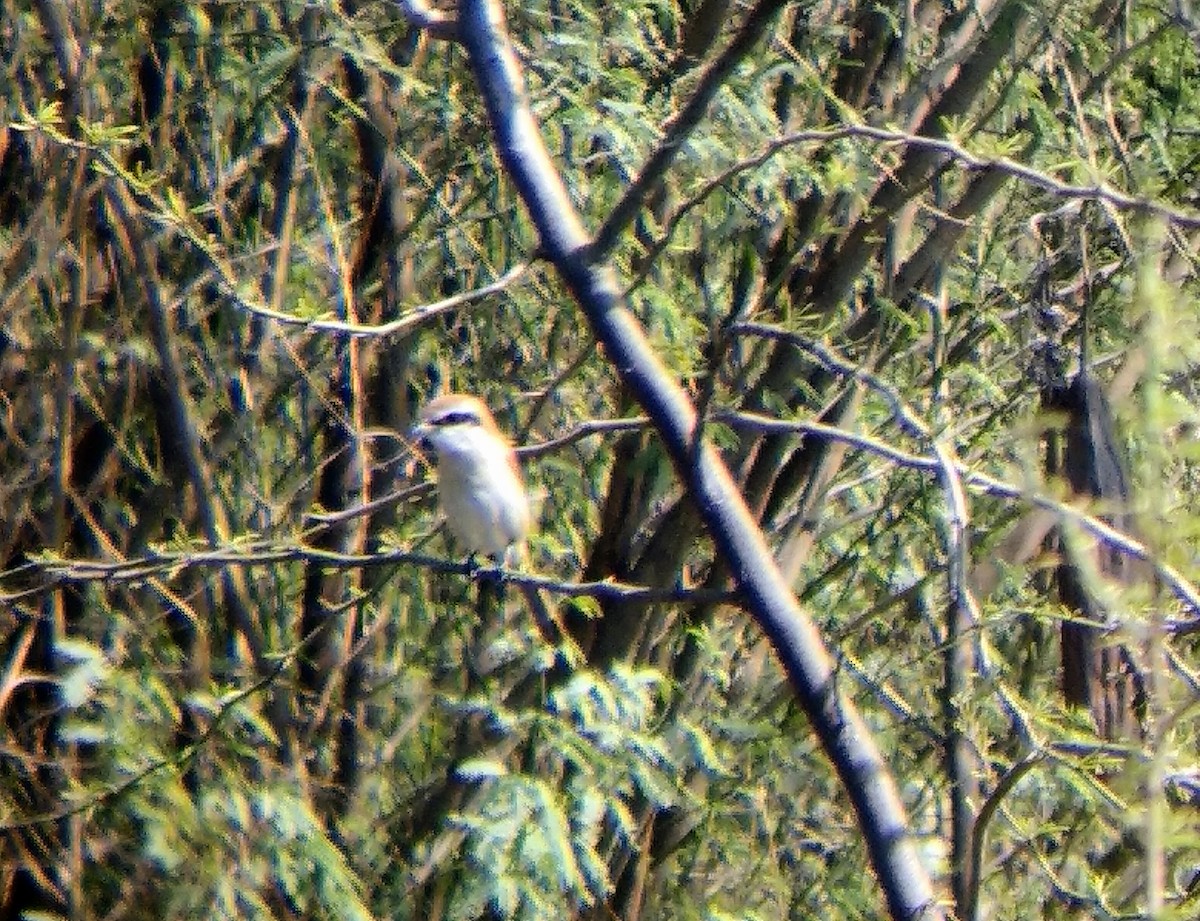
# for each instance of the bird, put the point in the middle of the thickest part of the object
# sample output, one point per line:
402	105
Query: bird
480	488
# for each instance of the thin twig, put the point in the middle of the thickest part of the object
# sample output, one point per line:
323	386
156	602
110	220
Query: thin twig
679	127
995	487
413	318
1101	191
1006	785
62	571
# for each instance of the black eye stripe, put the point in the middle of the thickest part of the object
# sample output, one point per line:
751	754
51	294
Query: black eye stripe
458	417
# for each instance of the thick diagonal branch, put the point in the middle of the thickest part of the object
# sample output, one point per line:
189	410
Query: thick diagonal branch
795	637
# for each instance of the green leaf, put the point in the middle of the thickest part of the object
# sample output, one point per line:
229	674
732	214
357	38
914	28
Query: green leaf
701	748
81	732
480	769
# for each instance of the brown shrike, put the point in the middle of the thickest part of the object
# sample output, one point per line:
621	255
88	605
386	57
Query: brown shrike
480	489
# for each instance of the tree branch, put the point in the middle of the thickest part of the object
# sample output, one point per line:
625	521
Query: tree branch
678	128
212	515
841	730
241	556
423	16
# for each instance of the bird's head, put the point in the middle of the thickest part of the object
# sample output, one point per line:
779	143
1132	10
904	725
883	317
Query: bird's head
457	425
480	488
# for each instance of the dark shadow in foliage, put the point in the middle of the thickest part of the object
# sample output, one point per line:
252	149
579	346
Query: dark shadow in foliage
1097	674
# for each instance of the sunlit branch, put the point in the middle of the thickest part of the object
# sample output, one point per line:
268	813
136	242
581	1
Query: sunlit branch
972	480
1100	192
222	272
80	571
677	130
435	22
410	320
989	485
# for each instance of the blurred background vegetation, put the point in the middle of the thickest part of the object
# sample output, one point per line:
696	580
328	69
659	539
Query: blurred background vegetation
236	680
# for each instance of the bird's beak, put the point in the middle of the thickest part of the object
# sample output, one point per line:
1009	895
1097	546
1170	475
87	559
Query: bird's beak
419	435
421	458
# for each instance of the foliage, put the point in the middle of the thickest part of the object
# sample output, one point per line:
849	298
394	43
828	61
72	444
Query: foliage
239	679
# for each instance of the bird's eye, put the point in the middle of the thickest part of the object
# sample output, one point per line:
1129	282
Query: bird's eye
458	417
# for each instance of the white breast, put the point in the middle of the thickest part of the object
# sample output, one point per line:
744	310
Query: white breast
481	496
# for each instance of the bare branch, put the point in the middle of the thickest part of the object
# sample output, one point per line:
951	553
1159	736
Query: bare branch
998	168
989	485
64	571
678	128
212	515
842	732
423	16
222	272
942	466
1099	191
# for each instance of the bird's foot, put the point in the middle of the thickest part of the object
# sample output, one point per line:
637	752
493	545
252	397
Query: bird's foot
487	569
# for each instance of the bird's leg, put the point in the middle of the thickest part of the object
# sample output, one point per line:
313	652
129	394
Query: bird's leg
494	574
498	561
492	586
